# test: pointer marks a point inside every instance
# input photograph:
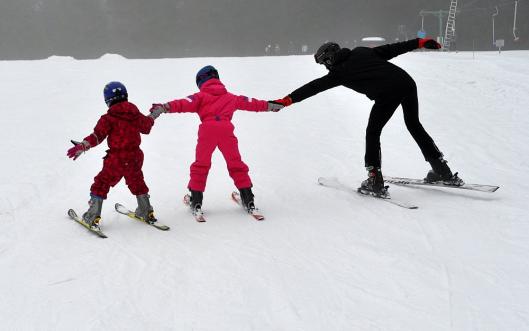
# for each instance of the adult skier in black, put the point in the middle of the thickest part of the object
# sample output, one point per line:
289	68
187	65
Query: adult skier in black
367	71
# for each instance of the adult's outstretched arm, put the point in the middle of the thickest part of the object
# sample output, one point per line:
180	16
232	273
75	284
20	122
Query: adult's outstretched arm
312	88
389	51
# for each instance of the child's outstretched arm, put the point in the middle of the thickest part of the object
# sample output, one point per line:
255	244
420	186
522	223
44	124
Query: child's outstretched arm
244	103
187	105
101	131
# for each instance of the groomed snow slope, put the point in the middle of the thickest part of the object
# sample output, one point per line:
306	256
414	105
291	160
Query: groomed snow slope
323	259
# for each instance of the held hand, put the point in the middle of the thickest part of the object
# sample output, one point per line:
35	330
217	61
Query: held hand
78	149
429	43
274	106
157	109
286	101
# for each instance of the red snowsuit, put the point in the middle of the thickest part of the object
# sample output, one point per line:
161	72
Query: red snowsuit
215	106
123	124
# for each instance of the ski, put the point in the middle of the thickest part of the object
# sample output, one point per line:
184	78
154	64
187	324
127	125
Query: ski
235	196
198	214
333	182
73	216
413	181
125	211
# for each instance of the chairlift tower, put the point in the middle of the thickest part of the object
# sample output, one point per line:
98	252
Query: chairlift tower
440	15
450	31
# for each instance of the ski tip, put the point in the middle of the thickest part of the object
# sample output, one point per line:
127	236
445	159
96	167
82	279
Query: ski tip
236	197
161	227
187	199
72	213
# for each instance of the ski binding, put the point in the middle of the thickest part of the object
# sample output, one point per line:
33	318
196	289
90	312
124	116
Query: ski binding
125	211
197	213
73	216
235	196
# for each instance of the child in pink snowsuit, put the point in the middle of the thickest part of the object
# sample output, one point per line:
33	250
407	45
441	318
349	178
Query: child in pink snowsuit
215	106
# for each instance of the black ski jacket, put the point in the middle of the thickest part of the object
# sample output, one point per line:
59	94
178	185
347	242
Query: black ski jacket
365	70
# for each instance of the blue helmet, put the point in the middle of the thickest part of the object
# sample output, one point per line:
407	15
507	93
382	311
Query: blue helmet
205	74
113	92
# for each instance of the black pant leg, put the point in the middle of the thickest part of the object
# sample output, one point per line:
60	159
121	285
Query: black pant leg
381	112
410	107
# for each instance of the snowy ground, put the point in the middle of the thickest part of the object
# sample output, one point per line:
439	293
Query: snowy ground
323	259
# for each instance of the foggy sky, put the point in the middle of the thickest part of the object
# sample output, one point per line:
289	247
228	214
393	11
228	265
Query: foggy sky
31	29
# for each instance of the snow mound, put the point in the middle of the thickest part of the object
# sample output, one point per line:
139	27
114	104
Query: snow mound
112	57
59	58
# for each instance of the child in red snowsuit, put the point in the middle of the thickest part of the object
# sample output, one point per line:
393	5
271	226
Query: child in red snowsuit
122	125
215	106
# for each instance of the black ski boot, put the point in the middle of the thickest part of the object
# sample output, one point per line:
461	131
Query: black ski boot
195	202
441	173
92	217
374	182
247	199
145	210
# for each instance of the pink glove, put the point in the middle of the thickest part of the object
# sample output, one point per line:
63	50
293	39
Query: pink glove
78	149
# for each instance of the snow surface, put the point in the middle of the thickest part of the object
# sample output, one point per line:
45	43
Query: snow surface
323	259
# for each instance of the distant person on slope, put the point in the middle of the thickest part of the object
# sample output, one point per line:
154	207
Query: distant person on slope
367	71
215	106
122	125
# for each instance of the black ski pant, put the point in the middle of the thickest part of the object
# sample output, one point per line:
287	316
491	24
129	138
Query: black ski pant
382	111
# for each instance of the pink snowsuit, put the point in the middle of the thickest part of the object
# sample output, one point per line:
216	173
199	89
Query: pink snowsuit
215	106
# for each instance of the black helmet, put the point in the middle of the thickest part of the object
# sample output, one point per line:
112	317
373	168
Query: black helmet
205	74
326	54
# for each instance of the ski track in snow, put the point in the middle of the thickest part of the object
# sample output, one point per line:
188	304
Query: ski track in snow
323	259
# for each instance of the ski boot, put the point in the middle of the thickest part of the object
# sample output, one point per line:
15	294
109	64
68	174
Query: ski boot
92	217
145	210
441	173
195	202
374	183
247	199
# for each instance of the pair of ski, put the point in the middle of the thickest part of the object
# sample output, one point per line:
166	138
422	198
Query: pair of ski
333	182
120	209
199	214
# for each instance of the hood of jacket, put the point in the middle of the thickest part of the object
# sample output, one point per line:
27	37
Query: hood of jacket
124	110
213	86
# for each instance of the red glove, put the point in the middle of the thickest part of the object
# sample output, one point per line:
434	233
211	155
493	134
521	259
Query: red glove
286	101
78	149
429	43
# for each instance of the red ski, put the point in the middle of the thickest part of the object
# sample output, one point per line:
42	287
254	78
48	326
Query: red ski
235	196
